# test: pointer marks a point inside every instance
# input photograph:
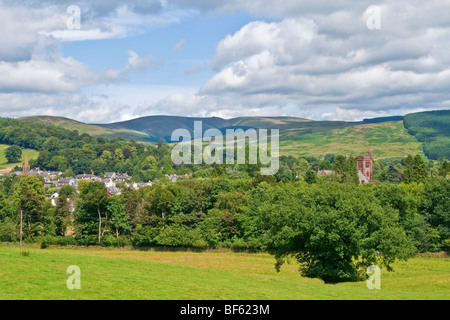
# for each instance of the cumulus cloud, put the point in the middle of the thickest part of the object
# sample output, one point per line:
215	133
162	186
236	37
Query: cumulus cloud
334	61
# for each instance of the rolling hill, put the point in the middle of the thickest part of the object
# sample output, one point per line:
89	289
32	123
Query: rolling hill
86	128
387	136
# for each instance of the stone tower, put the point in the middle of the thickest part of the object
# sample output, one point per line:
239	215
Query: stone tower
26	166
364	165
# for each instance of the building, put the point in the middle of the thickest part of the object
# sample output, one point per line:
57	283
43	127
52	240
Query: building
26	166
122	177
365	167
323	173
90	177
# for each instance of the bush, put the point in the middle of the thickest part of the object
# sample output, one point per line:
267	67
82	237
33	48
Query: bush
8	232
115	242
57	241
109	241
179	236
144	236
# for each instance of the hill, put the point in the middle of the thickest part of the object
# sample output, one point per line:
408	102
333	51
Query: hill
160	128
298	137
85	128
433	129
386	139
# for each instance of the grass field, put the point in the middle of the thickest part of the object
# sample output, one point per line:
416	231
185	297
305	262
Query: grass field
387	140
32	154
122	274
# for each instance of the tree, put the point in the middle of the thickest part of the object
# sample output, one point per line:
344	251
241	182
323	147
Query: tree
284	174
301	167
415	169
334	231
63	210
311	177
329	157
59	163
119	218
92	208
436	209
13	154
346	169
162	201
444	169
29	199
393	175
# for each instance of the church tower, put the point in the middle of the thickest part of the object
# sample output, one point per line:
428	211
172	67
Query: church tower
365	165
26	166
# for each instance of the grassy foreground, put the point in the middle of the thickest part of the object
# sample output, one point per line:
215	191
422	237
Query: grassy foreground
120	274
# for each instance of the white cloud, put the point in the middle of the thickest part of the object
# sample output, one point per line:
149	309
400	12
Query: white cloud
179	45
332	61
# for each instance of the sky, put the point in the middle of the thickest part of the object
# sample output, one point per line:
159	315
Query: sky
106	61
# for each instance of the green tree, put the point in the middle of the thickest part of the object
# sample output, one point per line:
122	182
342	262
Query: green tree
13	154
311	177
334	231
91	212
330	158
284	174
415	169
119	218
436	209
29	200
346	169
444	169
393	175
59	163
63	210
162	201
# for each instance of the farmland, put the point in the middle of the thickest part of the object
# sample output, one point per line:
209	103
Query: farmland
116	274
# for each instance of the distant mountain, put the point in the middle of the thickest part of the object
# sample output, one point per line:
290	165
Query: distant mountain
387	136
383	119
160	128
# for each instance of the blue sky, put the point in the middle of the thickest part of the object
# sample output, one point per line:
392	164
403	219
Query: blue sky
319	60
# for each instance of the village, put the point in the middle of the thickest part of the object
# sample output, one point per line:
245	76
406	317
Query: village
114	182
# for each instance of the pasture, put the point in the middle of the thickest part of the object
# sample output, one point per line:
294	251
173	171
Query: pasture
125	274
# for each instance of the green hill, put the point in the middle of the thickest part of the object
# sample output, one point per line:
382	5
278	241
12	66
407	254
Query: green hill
433	129
386	139
298	137
86	128
160	128
387	136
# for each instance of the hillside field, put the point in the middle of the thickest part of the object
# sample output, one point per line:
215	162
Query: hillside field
125	274
32	154
387	140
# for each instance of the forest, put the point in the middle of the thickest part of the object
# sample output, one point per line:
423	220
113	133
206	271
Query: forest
433	130
331	225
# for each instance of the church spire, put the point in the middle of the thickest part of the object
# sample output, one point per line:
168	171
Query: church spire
26	166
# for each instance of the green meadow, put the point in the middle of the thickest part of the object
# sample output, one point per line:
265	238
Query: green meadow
125	274
32	154
387	140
